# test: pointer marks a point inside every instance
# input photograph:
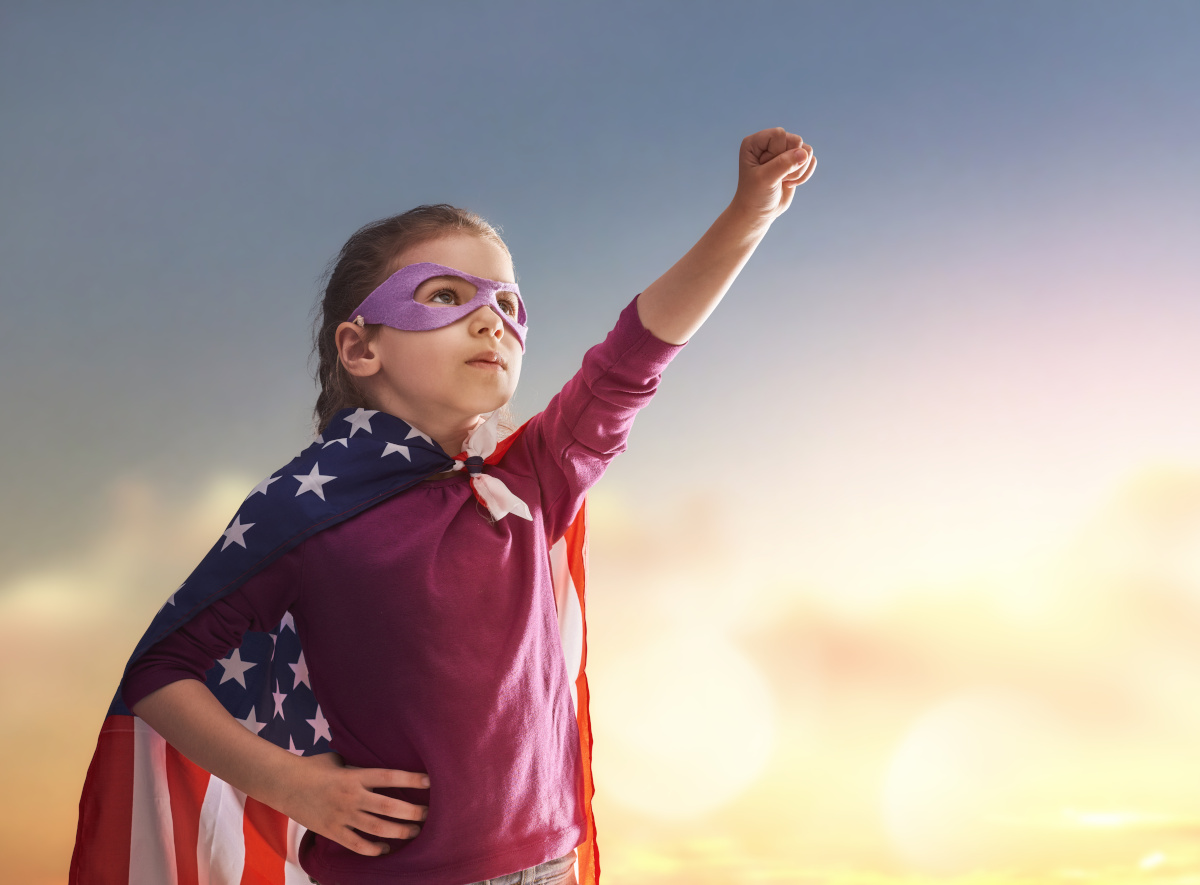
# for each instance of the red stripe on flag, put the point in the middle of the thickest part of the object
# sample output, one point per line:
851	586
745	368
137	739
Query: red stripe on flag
187	783
265	830
101	855
504	444
589	852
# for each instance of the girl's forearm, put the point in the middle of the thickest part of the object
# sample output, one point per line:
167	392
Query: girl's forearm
317	792
771	165
675	305
193	721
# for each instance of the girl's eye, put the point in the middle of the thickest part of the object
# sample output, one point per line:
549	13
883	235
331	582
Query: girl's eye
509	304
444	296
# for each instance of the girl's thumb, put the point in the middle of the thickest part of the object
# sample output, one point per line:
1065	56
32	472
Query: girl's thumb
786	162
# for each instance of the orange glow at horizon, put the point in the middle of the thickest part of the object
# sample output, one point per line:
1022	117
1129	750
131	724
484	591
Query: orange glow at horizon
759	730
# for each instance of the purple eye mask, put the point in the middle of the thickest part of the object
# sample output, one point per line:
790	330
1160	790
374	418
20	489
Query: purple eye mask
393	303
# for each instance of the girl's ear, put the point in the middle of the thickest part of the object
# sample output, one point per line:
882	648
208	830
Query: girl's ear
355	351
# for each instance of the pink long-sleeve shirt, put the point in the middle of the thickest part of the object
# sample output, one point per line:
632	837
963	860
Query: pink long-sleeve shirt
432	639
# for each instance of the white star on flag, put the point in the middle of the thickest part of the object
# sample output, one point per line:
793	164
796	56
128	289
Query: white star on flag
300	668
171	598
279	697
286	623
235	667
343	440
235	533
414	432
312	482
292	747
262	486
361	420
392	448
251	722
320	727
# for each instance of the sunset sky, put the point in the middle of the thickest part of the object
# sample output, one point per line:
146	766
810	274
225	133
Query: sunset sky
899	580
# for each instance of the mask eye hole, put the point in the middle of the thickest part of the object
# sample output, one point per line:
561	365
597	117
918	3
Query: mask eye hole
510	303
444	292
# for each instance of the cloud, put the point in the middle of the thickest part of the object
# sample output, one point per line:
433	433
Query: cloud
719	860
131	563
66	629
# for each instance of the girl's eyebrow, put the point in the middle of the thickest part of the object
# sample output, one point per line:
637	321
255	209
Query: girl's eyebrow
442	279
458	279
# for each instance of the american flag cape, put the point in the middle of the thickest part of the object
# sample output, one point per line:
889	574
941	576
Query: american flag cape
148	815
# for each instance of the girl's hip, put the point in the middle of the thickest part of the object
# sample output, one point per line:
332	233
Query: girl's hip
560	871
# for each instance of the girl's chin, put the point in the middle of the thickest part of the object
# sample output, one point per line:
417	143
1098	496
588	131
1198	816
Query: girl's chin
484	406
477	416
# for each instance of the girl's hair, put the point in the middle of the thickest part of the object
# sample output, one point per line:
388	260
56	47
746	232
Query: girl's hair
367	259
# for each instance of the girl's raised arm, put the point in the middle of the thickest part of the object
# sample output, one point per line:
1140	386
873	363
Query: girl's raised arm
772	164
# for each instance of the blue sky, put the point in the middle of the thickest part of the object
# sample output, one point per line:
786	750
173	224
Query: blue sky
174	180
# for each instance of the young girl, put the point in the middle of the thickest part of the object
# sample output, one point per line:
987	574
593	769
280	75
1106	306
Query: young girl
419	584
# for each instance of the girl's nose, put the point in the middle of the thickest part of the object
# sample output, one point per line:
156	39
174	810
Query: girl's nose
487	321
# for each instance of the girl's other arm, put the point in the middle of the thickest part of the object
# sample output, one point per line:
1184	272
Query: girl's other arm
318	792
771	165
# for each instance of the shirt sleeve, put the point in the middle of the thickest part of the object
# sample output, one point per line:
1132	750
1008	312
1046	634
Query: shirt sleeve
587	423
194	648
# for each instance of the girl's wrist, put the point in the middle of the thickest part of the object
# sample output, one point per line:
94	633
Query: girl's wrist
747	220
283	781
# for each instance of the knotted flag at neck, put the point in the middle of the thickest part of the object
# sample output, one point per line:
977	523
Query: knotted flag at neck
149	815
484	446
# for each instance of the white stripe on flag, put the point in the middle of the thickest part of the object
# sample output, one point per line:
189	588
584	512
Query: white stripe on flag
221	845
152	840
292	874
572	638
570	615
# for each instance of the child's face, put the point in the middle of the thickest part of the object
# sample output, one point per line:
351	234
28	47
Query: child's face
448	377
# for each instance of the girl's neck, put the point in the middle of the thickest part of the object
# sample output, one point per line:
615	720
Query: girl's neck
451	436
451	446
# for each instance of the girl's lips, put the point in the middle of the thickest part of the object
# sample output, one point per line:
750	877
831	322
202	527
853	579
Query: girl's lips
488	360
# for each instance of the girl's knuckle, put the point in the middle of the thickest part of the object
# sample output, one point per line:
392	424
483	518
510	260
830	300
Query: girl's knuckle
396	808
